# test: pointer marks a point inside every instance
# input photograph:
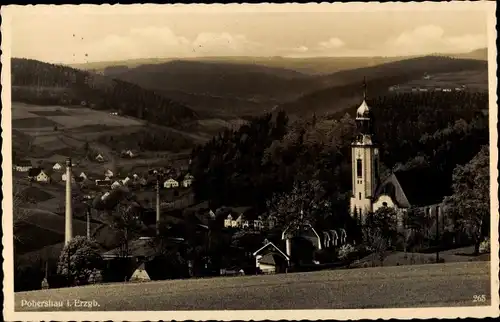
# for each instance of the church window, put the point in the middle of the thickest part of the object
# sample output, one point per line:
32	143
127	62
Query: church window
359	168
360	196
384	204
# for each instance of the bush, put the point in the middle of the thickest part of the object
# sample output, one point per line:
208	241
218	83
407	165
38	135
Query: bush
79	260
484	247
346	251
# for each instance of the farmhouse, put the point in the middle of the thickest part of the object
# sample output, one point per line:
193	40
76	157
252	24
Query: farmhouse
170	183
188	180
23	166
57	166
38	175
99	158
108	173
401	190
83	175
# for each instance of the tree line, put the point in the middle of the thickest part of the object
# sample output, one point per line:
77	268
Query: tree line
36	82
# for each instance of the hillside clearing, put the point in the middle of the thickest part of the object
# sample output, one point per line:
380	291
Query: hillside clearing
428	285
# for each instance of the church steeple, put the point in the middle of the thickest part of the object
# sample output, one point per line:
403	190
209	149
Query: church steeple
365	161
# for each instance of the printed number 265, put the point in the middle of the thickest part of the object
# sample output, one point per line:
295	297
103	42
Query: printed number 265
479	298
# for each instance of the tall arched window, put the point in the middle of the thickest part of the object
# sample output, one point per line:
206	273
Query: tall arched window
359	168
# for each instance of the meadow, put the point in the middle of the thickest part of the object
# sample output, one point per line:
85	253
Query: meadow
424	286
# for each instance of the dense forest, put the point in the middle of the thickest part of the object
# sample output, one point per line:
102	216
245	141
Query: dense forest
248	166
35	82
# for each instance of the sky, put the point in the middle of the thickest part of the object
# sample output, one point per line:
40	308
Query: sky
60	34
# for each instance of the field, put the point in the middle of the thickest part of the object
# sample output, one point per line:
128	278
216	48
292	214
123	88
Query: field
475	80
382	287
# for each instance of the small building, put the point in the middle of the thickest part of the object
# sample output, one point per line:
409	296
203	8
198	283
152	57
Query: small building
83	175
108	173
22	166
57	166
140	274
269	259
129	154
64	177
115	185
38	175
171	183
99	158
126	181
187	181
102	183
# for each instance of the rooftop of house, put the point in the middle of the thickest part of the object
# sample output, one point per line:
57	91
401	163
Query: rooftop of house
424	186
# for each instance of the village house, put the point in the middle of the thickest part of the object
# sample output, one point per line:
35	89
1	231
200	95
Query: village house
103	183
115	185
64	177
187	181
57	166
23	166
171	183
129	154
126	181
83	175
99	158
108	173
38	175
269	259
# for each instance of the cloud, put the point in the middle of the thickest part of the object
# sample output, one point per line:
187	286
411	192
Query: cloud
163	42
332	43
431	38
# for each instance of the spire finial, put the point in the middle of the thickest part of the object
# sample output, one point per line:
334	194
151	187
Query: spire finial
364	87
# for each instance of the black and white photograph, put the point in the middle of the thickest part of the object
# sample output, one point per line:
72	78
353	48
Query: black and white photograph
250	161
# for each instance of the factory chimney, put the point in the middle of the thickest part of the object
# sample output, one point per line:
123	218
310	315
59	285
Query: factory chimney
68	235
158	204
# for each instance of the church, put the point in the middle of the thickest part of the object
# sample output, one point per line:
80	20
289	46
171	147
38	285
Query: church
424	188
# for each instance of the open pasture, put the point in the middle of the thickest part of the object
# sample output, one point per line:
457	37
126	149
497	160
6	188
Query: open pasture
474	80
33	123
381	287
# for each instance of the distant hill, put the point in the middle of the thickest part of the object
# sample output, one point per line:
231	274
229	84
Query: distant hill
479	54
41	83
243	81
345	86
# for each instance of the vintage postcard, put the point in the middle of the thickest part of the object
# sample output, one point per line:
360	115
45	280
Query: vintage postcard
250	162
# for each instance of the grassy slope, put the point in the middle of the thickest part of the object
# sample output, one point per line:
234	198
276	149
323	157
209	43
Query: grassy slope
386	287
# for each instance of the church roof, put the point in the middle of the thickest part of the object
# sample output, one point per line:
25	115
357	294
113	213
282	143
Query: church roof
424	186
363	110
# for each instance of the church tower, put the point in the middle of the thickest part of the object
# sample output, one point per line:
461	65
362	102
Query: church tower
365	163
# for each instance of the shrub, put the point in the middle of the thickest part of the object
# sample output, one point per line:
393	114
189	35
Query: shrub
79	260
484	247
346	251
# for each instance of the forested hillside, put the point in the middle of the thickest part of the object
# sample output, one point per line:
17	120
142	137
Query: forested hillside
344	86
247	166
41	83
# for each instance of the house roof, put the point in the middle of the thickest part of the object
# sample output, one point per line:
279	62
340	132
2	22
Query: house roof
270	245
272	259
424	186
